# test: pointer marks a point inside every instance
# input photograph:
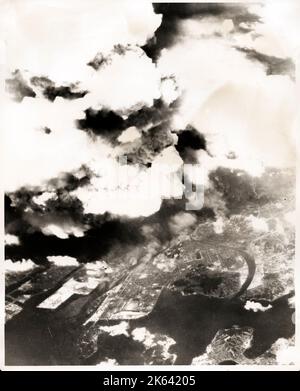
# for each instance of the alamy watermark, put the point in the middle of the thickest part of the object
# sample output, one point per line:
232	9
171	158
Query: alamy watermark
160	180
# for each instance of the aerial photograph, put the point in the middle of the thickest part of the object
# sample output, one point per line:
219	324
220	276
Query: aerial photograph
149	154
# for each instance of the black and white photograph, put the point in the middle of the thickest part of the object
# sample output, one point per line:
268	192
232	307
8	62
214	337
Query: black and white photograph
149	156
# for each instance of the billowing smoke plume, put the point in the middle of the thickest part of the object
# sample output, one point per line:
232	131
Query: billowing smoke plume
110	99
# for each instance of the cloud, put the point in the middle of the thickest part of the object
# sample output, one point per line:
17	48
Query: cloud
258	224
87	94
280	20
129	135
253	121
18	87
232	101
218	18
63	261
41	141
181	221
50	90
57	39
22	266
11	240
208	64
131	190
189	141
273	65
129	80
118	329
105	123
256	306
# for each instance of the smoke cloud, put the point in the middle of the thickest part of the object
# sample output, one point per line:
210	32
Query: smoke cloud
100	84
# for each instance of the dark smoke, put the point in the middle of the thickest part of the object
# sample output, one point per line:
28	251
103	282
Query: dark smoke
152	121
167	33
18	88
94	244
101	60
105	234
105	123
189	141
23	215
155	114
273	65
240	190
51	91
98	61
152	143
230	194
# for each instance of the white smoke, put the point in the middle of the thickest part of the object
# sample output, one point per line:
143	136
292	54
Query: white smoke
60	41
253	121
241	111
34	156
230	98
11	240
181	221
58	38
280	26
130	80
131	190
